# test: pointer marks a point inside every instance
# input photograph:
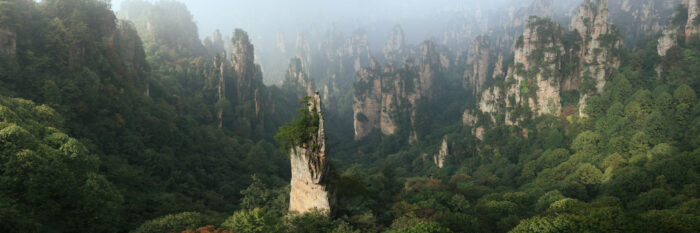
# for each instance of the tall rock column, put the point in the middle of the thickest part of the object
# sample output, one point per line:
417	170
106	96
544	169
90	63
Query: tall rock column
367	101
692	27
247	75
243	62
310	171
296	80
478	63
220	66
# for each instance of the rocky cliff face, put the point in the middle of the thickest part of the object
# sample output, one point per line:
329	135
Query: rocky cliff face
591	22
637	18
296	80
383	97
214	44
549	60
434	59
247	74
538	57
310	174
439	158
395	47
675	30
221	68
167	23
367	101
692	27
8	42
667	40
480	59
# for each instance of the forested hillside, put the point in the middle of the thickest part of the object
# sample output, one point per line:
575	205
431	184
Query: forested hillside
129	122
143	128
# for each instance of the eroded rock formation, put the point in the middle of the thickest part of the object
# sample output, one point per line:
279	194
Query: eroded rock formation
667	40
395	47
214	44
675	30
296	80
439	158
637	18
692	27
548	61
535	80
310	174
383	97
479	61
247	74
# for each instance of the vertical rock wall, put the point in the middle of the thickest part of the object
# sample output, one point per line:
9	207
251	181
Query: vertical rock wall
297	80
310	174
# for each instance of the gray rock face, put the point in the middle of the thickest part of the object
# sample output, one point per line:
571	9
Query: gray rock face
637	18
597	51
479	61
382	96
591	21
247	74
221	67
309	163
667	40
214	44
243	58
395	46
691	27
296	79
468	119
166	23
8	42
546	99
687	30
539	75
367	101
439	158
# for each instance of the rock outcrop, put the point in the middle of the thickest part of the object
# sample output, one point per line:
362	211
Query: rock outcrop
383	97
434	59
394	49
637	18
165	23
479	62
667	40
310	169
591	22
538	58
548	61
214	44
247	75
296	80
221	67
692	27
675	30
468	118
439	158
367	101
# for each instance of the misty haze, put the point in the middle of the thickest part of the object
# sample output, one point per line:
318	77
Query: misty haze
348	116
